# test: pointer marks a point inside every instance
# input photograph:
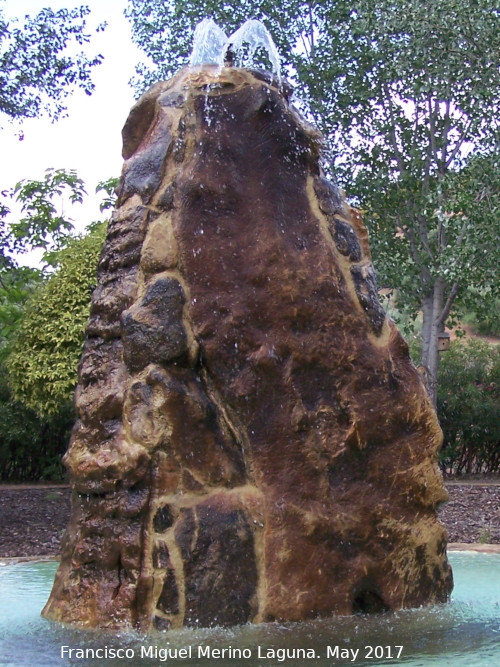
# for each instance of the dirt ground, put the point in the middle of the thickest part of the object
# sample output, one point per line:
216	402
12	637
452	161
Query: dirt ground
32	519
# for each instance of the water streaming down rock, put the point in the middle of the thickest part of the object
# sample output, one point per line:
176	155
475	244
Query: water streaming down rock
253	441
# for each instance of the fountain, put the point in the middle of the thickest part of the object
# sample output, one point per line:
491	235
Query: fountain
253	442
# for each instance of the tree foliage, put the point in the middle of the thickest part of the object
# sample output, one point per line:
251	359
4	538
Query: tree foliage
408	97
108	188
42	363
43	312
39	67
42	319
43	225
44	222
449	249
16	285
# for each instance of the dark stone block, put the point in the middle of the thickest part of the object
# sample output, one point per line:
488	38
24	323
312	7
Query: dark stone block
345	239
99	359
153	331
107	330
140	119
124	239
168	99
162	624
184	531
365	283
219	569
328	194
168	602
114	294
161	556
163	519
166	199
143	174
179	145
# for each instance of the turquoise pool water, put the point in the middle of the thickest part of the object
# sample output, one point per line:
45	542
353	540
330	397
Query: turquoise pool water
465	632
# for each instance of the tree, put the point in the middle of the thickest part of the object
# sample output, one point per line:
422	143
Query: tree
42	319
44	223
43	312
429	168
408	97
443	259
38	65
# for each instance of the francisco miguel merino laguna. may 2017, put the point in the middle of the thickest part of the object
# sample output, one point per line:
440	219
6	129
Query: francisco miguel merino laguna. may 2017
164	654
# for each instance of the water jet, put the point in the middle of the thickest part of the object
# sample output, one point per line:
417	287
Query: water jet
210	45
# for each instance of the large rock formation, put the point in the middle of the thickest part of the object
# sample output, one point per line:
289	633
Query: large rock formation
253	441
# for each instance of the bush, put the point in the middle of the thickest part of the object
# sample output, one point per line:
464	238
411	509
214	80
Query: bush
43	360
487	325
469	408
38	377
31	447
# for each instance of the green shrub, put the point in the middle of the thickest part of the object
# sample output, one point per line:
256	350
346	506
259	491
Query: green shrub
31	447
43	360
39	375
469	407
487	325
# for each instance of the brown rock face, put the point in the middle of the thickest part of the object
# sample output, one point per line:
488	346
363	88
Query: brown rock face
253	441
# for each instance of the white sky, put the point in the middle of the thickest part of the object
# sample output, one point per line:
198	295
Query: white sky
89	139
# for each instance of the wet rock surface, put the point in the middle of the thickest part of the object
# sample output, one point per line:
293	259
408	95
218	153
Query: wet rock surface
261	446
33	520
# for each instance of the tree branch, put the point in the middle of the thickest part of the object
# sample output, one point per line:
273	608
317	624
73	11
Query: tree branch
461	236
392	121
311	30
446	129
459	144
449	302
422	232
409	234
432	129
417	117
306	49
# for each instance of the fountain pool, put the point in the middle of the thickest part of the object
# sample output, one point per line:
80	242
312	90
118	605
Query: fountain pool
464	632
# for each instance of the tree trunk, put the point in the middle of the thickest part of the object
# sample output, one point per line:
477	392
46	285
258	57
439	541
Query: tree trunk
432	308
427	302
